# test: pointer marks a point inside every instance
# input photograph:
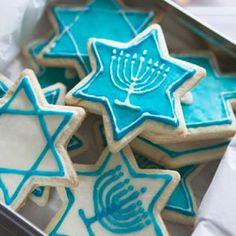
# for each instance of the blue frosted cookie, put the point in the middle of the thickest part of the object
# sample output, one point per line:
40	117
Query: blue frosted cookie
135	86
75	25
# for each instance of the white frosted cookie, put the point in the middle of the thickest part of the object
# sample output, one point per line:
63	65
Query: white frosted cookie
34	137
114	197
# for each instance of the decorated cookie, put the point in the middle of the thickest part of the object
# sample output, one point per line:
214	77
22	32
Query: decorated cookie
181	154
48	76
75	25
135	86
54	94
115	197
34	136
181	206
170	155
210	113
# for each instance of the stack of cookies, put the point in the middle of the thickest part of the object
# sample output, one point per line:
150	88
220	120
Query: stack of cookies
155	119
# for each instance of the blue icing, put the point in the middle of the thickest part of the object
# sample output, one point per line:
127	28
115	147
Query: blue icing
118	199
50	138
38	192
178	154
181	200
127	81
75	143
3	89
209	96
171	153
49	75
52	96
99	19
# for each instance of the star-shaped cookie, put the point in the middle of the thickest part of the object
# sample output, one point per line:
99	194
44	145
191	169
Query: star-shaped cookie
114	197
74	26
33	140
135	86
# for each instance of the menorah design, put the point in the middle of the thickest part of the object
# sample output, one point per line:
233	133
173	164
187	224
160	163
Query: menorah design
136	74
117	205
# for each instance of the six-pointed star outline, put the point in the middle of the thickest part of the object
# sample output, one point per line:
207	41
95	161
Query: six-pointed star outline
160	108
20	170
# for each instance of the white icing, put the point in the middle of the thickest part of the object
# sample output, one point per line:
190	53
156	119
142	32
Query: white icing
187	98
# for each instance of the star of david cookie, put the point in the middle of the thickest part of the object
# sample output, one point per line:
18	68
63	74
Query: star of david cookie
210	115
181	206
48	76
135	86
54	94
75	25
114	197
34	137
170	155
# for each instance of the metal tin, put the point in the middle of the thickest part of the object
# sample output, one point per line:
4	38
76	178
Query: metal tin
183	33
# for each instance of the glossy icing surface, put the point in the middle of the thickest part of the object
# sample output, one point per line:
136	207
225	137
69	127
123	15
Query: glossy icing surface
129	78
99	19
209	96
181	200
48	76
116	200
34	125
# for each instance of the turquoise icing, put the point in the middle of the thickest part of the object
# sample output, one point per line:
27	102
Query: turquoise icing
49	75
210	96
3	89
178	154
128	79
50	138
125	214
38	192
74	144
181	199
99	19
